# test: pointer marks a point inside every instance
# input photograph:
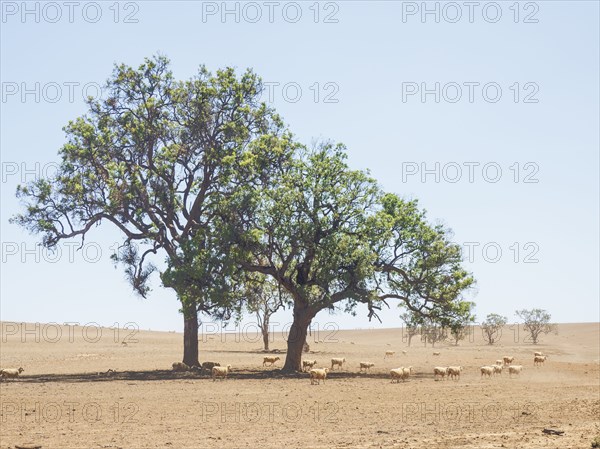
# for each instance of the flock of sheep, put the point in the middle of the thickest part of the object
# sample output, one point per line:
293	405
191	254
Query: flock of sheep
402	373
318	374
396	374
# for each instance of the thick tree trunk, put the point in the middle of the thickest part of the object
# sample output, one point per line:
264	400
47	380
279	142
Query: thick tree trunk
297	337
190	334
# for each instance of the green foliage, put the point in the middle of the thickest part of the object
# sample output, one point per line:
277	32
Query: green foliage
308	229
329	236
201	174
536	322
417	263
264	296
460	325
160	160
596	440
433	332
492	327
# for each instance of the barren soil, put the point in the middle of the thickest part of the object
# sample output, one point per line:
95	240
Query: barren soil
63	399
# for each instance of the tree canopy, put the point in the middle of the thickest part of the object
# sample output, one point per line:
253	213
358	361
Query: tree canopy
202	176
536	322
491	327
157	159
333	240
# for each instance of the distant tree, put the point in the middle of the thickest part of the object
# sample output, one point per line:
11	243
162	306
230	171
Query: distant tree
536	322
433	333
264	297
413	324
459	325
492	327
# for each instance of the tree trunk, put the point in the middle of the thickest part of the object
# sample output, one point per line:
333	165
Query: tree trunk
265	333
190	334
297	337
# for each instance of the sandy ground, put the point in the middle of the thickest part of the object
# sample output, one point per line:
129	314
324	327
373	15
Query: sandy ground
61	401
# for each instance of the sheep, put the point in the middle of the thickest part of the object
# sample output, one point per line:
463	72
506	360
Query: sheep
208	366
270	359
508	360
401	373
487	371
11	372
436	353
308	364
220	371
337	361
317	374
366	366
538	353
440	371
404	352
389	354
539	360
514	369
499	362
454	372
180	366
497	369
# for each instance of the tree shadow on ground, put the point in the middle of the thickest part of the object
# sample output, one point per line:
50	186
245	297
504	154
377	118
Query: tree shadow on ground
165	375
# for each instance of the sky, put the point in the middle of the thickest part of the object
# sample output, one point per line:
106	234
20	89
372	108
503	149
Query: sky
487	113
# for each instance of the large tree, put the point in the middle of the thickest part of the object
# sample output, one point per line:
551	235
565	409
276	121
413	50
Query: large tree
157	159
329	237
307	233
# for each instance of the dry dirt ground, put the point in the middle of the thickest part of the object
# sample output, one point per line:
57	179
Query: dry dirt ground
61	401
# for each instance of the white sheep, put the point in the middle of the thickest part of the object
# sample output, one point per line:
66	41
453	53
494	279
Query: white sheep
366	366
12	373
337	361
401	373
454	372
318	374
180	366
270	359
440	371
220	371
539	360
497	369
538	353
389	354
308	364
508	360
436	353
404	352
487	371
514	369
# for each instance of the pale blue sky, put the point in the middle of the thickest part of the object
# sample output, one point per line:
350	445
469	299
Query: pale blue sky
369	56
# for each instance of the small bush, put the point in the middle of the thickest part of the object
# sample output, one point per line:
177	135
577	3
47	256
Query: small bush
596	441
